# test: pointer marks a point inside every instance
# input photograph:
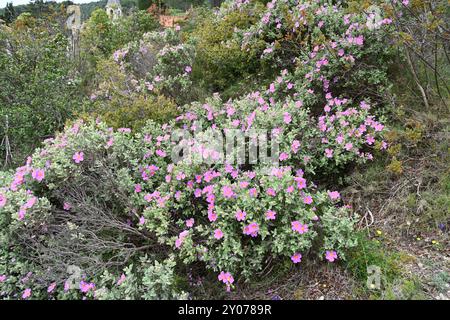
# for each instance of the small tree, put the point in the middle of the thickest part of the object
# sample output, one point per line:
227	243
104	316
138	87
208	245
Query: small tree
10	13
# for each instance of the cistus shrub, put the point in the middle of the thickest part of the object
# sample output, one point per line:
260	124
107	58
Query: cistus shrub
97	199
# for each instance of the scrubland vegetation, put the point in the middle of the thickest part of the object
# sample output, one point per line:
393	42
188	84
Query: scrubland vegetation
355	94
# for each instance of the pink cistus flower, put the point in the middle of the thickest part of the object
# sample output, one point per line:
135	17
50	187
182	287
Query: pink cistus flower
26	294
252	229
190	222
85	286
334	195
180	239
212	216
22	212
218	234
78	157
271	215
296	257
299	227
253	192
121	279
226	278
38	174
2	277
137	188
240	215
67	206
331	255
51	287
348	146
295	146
283	156
160	153
141	221
307	200
227	192
2	200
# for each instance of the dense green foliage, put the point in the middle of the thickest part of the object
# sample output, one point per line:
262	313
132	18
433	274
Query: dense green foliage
39	88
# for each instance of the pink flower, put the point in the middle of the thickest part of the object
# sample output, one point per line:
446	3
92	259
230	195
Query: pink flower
180	176
283	156
226	277
287	118
272	88
121	279
331	255
212	216
30	203
190	222
141	220
22	212
218	234
348	146
271	215
252	229
370	140
307	200
296	257
271	192
188	69
227	192
334	195
110	142
67	206
2	278
299	227
295	146
78	157
328	153
243	184
26	294
240	215
85	287
51	287
359	40
137	188
2	200
38	174
160	153
301	183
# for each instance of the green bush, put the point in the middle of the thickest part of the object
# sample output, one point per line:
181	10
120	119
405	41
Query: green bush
121	102
39	88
